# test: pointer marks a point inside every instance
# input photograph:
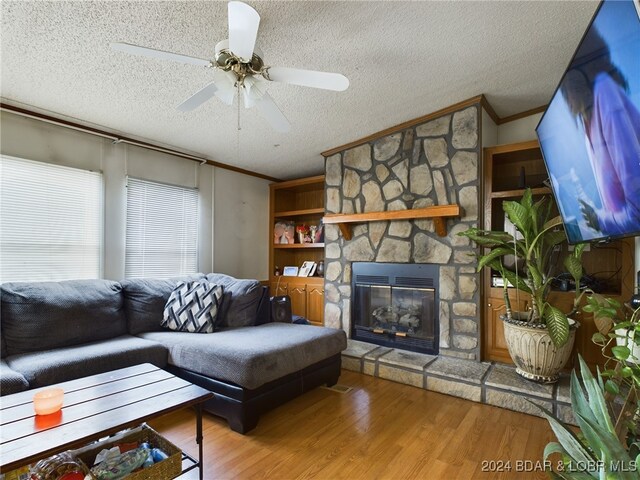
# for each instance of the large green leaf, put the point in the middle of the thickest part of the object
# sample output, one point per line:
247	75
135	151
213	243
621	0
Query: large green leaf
574	267
554	238
621	352
557	324
568	439
579	401
487	238
555	447
536	275
492	255
610	448
516	281
597	402
554	222
519	216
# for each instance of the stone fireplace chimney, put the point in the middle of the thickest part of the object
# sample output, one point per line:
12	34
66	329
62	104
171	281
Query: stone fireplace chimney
433	163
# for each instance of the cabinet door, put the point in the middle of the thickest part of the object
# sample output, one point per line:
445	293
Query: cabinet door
495	347
298	295
276	289
315	304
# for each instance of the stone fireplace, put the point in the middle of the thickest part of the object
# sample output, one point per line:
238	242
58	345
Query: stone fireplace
433	163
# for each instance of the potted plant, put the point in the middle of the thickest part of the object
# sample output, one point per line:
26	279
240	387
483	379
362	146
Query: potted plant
540	340
600	449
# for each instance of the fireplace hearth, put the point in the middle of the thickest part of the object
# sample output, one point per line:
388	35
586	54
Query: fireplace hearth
396	305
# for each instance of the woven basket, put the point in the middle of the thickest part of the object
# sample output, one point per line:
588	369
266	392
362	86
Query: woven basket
165	470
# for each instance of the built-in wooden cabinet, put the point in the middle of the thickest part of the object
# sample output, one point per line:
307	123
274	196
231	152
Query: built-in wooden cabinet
300	201
506	170
494	307
307	296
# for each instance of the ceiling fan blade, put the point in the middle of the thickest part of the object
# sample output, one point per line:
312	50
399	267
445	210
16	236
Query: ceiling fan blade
308	78
243	30
153	53
198	98
272	114
226	82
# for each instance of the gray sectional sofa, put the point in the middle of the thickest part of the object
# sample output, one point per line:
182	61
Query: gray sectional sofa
57	331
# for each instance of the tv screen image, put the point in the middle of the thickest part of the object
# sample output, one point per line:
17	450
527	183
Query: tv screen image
590	132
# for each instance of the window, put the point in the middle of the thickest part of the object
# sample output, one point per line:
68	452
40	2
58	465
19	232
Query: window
162	229
51	221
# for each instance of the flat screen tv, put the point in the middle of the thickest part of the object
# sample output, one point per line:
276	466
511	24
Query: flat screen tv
590	132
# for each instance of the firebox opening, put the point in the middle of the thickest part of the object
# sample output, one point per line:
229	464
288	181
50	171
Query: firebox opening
396	305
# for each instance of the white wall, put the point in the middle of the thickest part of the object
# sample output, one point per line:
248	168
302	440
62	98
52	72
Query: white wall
241	225
36	140
489	130
519	130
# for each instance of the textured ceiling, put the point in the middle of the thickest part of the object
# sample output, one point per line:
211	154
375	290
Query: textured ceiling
404	60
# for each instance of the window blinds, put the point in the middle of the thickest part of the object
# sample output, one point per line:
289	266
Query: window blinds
51	221
162	230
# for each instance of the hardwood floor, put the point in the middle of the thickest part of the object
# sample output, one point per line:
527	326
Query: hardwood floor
379	430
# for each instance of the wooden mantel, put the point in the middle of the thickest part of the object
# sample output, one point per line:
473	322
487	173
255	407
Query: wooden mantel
438	212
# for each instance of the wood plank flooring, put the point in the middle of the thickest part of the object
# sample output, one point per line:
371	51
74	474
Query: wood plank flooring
379	430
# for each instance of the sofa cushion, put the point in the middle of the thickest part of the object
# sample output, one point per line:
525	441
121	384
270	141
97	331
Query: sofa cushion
62	364
251	356
240	302
44	315
193	307
145	298
10	380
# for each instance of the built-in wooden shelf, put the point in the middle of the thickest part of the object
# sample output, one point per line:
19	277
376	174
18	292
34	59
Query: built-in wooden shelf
520	192
299	213
438	212
298	245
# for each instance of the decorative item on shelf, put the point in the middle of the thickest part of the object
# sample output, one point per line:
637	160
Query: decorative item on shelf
305	269
290	272
289	232
312	232
319	236
278	233
277	273
320	269
283	232
46	402
303	233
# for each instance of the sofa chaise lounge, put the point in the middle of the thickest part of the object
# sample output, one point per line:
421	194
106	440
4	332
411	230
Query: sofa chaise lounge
57	331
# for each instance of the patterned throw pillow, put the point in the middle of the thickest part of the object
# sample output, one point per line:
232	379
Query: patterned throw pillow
193	307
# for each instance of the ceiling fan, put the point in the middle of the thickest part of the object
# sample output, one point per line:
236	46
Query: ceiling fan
238	67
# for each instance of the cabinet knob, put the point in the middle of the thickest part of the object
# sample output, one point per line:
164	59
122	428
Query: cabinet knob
488	304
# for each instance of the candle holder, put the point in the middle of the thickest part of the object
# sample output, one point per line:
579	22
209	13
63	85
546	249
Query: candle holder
48	401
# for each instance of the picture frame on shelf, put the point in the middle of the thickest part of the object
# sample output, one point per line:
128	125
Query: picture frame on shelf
279	233
290	232
290	272
305	269
319	234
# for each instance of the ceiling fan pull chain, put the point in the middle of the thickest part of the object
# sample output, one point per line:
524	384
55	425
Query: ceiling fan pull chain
238	85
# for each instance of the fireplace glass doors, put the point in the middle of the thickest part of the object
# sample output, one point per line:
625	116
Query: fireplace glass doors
396	305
